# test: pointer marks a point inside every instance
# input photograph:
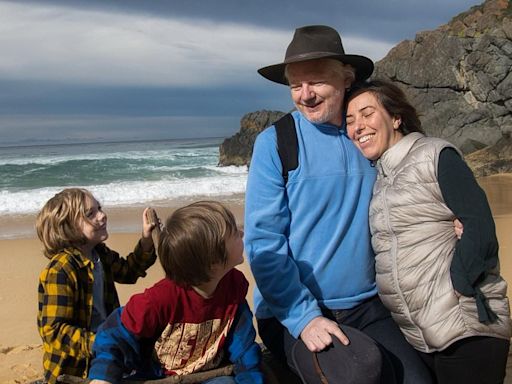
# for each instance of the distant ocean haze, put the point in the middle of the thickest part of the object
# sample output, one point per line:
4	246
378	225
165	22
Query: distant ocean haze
118	174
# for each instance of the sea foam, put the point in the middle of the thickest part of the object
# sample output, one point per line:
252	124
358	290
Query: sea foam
118	174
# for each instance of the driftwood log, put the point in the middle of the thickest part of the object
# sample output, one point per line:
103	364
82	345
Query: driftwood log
192	378
274	371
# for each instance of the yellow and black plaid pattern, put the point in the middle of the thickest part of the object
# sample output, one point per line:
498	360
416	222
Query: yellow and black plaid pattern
65	304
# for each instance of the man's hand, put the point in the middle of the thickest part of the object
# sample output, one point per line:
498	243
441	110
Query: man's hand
96	381
458	228
317	334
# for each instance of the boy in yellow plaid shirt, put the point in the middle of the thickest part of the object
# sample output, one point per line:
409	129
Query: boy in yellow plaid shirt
76	290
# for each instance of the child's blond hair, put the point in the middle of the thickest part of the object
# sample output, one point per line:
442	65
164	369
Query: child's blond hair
58	224
194	239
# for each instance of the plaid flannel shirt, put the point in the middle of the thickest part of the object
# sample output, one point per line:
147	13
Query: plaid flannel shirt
66	302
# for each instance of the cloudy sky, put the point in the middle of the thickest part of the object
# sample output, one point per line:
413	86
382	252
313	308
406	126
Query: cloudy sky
92	70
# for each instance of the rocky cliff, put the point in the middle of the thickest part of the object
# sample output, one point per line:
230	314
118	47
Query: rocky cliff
458	76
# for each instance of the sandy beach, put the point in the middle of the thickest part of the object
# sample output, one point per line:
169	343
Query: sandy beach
20	344
22	261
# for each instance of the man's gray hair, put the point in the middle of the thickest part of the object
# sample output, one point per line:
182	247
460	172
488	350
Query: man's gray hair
345	71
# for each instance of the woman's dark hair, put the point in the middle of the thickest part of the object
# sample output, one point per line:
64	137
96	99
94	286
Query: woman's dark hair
393	100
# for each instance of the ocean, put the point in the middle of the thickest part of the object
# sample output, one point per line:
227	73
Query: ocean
117	173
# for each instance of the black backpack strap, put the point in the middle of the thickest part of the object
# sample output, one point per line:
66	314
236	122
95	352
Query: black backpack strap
287	144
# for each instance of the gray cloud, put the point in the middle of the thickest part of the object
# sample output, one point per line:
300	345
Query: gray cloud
93	47
392	20
122	67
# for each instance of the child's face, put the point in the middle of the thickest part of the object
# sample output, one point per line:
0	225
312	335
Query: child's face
95	229
235	249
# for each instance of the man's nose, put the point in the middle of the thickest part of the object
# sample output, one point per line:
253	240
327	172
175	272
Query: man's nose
307	92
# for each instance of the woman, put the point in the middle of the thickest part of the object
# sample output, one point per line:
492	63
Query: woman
446	295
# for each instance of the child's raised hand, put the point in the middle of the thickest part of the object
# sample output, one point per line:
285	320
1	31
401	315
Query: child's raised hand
148	222
150	229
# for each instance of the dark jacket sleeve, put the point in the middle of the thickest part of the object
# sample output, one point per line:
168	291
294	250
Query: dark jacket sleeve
127	270
115	350
477	251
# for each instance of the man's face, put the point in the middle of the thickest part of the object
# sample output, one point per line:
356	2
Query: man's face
317	91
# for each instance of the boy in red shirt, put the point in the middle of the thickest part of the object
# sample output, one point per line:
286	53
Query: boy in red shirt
195	318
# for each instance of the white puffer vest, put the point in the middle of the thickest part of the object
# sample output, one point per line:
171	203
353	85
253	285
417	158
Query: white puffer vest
414	241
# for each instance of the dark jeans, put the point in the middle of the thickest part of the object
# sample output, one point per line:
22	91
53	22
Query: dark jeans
474	360
397	362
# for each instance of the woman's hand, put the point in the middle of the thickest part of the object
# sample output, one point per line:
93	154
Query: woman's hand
458	228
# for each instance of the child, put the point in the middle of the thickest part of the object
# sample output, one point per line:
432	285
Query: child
193	319
76	289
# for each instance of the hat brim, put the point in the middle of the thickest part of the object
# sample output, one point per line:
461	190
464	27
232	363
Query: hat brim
362	65
358	362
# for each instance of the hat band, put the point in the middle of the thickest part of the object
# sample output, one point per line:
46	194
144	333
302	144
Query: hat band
311	55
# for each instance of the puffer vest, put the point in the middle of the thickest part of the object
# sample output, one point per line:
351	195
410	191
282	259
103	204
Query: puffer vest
414	241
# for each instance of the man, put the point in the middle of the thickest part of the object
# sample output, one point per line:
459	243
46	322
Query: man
308	240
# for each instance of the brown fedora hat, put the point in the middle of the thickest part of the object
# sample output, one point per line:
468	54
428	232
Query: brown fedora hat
316	42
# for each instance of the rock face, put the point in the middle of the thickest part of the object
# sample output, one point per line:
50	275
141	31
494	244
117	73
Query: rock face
494	159
459	76
237	150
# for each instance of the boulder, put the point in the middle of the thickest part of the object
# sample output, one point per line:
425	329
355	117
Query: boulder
237	150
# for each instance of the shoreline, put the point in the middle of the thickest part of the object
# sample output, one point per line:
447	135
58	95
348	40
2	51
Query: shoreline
125	218
121	219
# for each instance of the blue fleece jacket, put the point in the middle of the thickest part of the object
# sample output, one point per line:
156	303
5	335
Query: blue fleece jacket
308	241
